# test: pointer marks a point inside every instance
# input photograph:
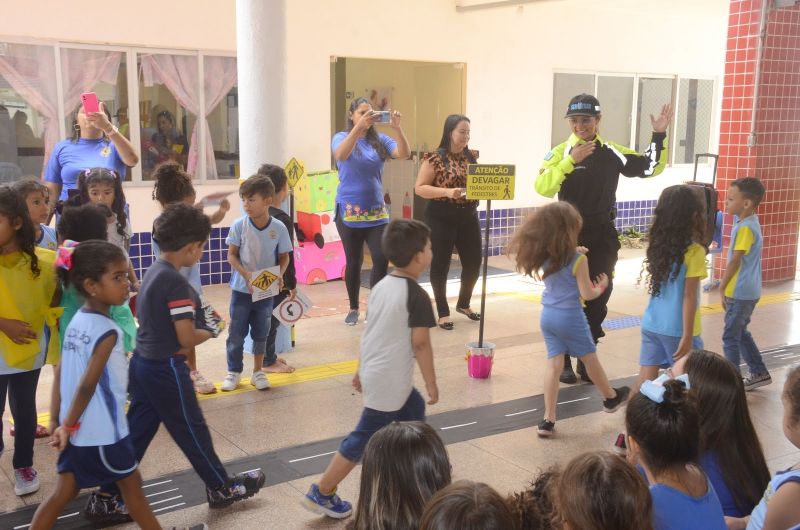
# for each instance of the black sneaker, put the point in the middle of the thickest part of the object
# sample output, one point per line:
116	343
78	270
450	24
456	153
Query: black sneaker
567	375
240	487
106	510
611	405
754	381
581	369
545	429
620	447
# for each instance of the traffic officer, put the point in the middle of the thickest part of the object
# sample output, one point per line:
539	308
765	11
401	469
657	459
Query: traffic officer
584	171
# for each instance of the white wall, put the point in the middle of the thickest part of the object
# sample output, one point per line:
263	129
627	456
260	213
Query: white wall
510	53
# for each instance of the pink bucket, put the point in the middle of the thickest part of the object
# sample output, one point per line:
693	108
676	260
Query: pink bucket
479	360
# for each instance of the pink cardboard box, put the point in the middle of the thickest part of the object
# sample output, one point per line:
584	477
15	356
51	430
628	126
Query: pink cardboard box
319	265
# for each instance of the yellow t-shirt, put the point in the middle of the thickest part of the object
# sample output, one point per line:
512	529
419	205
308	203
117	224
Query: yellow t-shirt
28	298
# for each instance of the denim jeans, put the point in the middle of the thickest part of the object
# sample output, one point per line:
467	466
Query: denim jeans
247	316
737	342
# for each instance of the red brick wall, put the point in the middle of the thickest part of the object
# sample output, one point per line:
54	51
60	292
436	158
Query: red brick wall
775	158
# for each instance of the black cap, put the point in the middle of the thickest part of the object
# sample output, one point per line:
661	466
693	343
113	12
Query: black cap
583	105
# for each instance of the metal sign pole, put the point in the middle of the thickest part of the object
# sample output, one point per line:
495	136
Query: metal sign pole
485	270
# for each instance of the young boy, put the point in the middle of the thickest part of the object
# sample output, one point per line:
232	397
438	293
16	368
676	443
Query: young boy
161	389
37	197
273	363
386	368
740	288
255	242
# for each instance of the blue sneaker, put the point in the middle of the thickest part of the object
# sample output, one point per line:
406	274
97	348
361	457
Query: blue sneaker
330	505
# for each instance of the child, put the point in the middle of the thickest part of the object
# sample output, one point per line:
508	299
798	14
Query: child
173	185
255	242
597	491
160	386
93	438
740	287
532	508
104	186
273	363
546	248
37	197
675	264
466	505
778	507
386	368
730	452
78	224
28	332
405	464
664	439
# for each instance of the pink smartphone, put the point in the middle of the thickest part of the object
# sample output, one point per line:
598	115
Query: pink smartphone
90	103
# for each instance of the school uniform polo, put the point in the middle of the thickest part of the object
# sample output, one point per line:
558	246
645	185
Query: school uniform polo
746	282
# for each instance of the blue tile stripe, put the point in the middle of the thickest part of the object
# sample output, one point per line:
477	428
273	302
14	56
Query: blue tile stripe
215	269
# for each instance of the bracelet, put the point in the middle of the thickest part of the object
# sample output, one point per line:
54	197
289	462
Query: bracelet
73	429
114	130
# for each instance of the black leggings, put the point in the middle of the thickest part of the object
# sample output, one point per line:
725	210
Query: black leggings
21	388
603	244
353	242
454	226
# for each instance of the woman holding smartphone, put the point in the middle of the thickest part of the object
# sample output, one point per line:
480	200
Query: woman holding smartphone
361	214
95	142
452	218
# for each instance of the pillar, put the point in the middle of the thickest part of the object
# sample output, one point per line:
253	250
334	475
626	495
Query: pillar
262	77
760	125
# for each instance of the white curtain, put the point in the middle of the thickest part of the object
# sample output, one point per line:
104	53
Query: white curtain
81	70
179	74
31	71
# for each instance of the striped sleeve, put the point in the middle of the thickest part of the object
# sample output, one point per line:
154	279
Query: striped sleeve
649	164
180	309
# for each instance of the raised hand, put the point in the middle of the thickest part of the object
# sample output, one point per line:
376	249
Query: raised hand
661	123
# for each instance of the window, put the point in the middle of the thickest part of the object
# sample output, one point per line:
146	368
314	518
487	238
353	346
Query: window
653	94
221	96
616	101
693	119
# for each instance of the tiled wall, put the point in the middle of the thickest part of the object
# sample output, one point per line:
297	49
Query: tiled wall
775	157
215	269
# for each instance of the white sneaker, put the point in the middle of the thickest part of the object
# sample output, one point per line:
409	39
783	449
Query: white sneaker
26	481
201	384
259	380
231	381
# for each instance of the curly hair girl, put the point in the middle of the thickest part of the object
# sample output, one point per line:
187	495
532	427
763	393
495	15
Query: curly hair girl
677	223
172	184
104	186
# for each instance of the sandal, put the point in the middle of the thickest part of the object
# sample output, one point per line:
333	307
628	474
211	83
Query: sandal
470	314
446	325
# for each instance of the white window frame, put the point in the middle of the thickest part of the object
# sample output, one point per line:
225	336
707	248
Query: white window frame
132	74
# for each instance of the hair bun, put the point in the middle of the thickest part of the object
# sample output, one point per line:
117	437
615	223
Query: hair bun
675	392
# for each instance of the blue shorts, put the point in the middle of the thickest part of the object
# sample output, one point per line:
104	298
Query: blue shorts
566	331
352	447
98	464
657	349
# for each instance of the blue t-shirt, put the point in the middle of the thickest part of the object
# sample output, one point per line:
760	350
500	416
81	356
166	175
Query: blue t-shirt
70	158
49	239
258	247
759	514
746	282
103	421
561	288
710	465
664	313
674	510
192	274
359	198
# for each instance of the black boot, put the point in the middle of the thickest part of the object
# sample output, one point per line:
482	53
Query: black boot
581	369
567	375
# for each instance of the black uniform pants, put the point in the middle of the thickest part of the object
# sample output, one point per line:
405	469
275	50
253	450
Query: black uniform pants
602	241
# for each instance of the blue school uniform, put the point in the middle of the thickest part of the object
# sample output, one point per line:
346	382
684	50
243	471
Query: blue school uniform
675	510
48	239
563	322
759	514
70	158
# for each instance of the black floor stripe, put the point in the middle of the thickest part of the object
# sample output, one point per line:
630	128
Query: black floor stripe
184	489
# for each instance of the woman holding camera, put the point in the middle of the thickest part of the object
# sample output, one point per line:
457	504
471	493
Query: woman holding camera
452	218
361	214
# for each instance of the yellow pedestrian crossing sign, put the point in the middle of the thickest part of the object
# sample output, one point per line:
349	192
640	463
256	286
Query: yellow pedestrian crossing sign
264	280
295	170
494	182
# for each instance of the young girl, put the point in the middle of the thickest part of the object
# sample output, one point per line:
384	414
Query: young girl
664	439
675	265
532	508
730	452
404	465
37	198
173	185
104	186
28	332
545	247
597	491
93	435
78	224
778	507
467	505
